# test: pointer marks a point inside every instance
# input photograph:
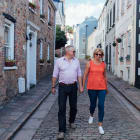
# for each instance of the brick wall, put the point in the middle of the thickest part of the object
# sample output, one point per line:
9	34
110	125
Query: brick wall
19	10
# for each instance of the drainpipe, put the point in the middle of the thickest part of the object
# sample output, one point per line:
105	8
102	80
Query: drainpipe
54	33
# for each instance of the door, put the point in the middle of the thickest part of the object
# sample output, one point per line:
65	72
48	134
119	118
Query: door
31	58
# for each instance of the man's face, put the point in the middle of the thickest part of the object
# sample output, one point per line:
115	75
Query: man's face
71	53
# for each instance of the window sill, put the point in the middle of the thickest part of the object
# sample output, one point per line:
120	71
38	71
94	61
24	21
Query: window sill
50	27
42	64
32	10
10	68
42	20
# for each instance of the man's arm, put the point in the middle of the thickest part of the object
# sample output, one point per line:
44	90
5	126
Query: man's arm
80	78
55	76
86	73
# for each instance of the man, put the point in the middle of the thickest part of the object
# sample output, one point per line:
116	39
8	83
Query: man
68	70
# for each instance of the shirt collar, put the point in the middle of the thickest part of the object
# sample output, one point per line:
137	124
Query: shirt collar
67	59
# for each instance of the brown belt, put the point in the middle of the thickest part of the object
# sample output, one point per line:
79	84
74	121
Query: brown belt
63	84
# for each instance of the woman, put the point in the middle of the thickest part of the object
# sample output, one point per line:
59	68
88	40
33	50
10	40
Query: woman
95	70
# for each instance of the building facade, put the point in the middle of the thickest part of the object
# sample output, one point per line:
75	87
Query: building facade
82	32
26	44
60	13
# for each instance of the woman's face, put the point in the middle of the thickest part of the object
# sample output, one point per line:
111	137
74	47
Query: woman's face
98	55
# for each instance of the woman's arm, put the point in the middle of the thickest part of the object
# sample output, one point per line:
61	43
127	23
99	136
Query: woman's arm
105	76
86	73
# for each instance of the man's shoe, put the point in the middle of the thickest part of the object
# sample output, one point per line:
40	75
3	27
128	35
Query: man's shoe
60	136
101	130
72	126
90	121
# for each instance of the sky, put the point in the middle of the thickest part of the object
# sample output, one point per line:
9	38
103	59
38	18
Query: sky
78	10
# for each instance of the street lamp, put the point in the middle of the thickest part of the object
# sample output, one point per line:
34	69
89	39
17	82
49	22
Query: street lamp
86	41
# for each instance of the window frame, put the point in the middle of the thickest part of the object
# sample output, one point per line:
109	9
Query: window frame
48	52
11	27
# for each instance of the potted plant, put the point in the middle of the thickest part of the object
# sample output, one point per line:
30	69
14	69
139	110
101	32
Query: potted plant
88	57
114	44
48	61
49	23
10	63
128	57
41	61
42	16
121	59
32	5
119	40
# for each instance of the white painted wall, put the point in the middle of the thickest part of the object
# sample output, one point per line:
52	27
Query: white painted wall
124	24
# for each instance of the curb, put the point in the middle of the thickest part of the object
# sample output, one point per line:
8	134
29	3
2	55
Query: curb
124	96
19	126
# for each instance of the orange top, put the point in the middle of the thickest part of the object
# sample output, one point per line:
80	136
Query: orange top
96	79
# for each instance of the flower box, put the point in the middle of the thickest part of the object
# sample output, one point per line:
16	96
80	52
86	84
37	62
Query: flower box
42	16
10	63
32	5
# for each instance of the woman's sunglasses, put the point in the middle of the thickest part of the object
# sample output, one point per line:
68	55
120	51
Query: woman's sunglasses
98	54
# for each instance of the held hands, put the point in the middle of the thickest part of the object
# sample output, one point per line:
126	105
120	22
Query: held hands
81	89
53	90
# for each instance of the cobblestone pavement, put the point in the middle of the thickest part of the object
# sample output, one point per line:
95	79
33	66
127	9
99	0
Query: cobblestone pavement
119	122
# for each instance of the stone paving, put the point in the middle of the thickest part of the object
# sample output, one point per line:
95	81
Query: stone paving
14	113
131	93
119	123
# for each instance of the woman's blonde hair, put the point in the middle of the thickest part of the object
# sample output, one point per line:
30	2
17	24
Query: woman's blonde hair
98	50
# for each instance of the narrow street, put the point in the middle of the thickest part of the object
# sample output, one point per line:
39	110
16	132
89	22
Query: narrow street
122	121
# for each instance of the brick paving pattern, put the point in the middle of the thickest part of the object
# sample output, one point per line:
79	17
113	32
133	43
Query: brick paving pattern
119	123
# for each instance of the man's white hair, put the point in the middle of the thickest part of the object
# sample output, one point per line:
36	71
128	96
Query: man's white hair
69	48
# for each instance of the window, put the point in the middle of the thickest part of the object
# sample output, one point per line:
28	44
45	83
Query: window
41	7
118	9
122	46
122	6
110	18
139	39
129	2
128	69
114	13
41	50
129	43
138	71
138	56
49	14
48	56
32	1
9	39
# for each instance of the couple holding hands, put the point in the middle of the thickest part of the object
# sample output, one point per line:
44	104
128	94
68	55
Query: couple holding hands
68	70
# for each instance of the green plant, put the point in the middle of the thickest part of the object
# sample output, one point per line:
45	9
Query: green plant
88	57
121	59
61	39
128	57
10	63
42	16
119	40
114	44
41	61
49	61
